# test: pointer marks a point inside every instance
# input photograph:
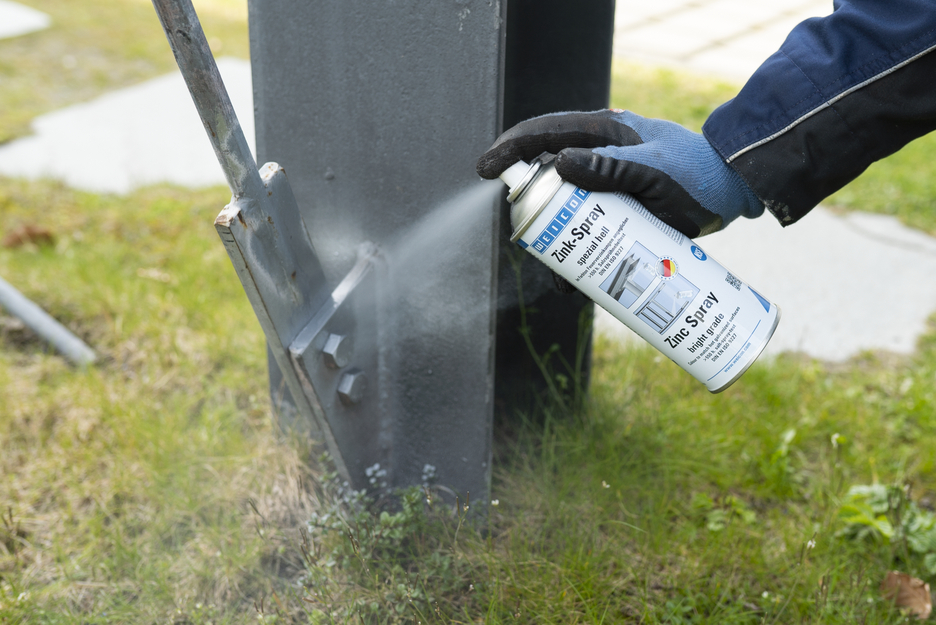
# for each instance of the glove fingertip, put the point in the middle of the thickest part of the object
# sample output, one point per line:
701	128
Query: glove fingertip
582	167
490	166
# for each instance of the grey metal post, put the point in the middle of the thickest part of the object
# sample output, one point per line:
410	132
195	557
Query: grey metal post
380	111
380	316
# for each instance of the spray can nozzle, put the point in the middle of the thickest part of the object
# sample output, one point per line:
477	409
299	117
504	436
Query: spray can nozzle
518	177
514	174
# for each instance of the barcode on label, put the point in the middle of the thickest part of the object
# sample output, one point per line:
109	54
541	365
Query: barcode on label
730	279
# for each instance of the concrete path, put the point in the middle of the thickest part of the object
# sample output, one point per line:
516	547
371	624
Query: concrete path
727	38
16	19
844	283
137	136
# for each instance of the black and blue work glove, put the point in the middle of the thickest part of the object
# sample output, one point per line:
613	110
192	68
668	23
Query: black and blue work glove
672	171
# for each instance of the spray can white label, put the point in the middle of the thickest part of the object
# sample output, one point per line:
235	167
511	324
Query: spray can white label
655	280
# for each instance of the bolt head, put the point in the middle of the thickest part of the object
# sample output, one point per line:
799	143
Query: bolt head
337	351
351	387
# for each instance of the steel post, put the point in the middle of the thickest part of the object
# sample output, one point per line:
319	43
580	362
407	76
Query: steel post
378	272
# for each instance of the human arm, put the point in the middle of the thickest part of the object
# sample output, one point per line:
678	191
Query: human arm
843	91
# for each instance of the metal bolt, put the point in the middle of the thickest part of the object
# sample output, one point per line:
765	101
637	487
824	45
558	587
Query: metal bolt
337	351
351	387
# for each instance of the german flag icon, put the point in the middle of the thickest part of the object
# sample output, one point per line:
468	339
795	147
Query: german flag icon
666	268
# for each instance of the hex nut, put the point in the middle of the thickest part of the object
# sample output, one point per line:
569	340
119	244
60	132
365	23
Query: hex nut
337	351
351	387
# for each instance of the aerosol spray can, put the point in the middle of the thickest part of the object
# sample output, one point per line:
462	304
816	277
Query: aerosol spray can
651	277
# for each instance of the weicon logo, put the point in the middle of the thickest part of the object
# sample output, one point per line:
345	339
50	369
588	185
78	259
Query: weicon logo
560	221
698	253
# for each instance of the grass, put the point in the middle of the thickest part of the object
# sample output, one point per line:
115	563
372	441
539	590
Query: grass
153	488
132	489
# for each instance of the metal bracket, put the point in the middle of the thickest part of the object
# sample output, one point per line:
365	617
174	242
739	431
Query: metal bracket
336	357
323	340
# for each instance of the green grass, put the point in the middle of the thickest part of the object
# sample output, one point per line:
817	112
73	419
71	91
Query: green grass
153	487
902	185
132	489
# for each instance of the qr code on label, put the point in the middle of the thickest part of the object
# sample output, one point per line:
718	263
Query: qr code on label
730	279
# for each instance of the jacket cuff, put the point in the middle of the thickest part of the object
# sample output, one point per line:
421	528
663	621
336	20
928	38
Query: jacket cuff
795	170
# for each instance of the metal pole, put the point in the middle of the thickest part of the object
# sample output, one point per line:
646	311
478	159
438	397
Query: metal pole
198	67
45	326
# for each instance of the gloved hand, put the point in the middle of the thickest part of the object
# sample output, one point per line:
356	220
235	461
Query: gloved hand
672	171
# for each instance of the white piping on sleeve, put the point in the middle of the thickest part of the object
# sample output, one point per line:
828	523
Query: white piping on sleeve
827	104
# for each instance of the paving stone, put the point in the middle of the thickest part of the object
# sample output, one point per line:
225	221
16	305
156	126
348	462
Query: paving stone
729	38
727	62
749	12
703	23
629	12
141	135
652	42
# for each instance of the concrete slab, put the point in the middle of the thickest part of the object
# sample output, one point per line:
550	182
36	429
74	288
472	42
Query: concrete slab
727	61
631	12
16	19
653	44
710	25
745	10
727	38
844	283
141	135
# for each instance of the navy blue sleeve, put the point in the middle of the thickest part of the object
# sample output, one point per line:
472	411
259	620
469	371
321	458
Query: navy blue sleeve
842	91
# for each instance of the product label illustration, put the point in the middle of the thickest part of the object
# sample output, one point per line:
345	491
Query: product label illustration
642	270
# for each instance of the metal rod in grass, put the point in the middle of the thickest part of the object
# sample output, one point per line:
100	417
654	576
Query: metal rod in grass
47	328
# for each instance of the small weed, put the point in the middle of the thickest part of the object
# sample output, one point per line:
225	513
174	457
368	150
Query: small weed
717	515
396	566
886	515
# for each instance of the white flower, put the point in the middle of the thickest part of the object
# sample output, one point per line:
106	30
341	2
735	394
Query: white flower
605	484
495	502
811	544
835	440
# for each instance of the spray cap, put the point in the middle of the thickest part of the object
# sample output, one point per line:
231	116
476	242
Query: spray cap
519	176
531	188
514	174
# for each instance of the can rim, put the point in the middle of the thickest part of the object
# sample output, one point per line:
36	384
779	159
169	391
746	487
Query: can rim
547	197
531	173
753	358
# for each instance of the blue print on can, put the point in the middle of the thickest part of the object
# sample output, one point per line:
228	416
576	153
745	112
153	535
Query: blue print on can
561	220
